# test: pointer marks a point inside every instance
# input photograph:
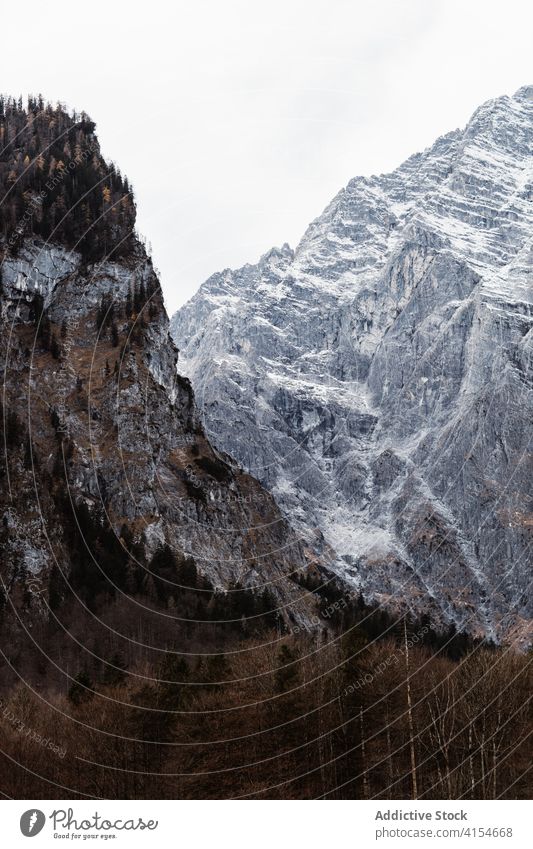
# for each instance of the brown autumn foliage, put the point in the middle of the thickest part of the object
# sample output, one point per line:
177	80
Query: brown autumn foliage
279	716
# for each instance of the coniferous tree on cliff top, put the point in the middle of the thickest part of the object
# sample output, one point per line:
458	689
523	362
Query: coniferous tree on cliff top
55	184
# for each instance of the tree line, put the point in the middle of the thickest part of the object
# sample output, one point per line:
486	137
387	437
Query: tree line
55	184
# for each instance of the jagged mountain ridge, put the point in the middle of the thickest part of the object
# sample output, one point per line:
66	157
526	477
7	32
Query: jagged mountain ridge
378	379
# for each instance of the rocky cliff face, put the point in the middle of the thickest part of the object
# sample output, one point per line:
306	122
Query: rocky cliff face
116	428
102	437
377	379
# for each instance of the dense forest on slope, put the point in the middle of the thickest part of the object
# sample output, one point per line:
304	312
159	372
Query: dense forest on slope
240	710
144	681
55	184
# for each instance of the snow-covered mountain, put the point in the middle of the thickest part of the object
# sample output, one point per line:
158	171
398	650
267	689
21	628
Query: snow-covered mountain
378	378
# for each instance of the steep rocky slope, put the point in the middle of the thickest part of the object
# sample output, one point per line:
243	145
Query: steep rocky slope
105	464
377	379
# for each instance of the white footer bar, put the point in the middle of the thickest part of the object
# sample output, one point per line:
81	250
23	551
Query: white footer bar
268	824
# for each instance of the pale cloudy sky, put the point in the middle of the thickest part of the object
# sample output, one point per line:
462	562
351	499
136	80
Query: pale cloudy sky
238	120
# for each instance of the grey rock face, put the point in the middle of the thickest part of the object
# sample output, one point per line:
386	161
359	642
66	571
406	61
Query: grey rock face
135	445
378	379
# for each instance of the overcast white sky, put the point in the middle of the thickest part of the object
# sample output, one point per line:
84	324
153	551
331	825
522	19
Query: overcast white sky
237	120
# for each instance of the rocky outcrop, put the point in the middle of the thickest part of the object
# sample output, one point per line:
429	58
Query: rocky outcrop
377	380
97	418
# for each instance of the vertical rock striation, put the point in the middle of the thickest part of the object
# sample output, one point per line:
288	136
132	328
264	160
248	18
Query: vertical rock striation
377	380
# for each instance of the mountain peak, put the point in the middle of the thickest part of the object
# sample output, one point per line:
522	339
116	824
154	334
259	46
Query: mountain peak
275	253
379	383
525	92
